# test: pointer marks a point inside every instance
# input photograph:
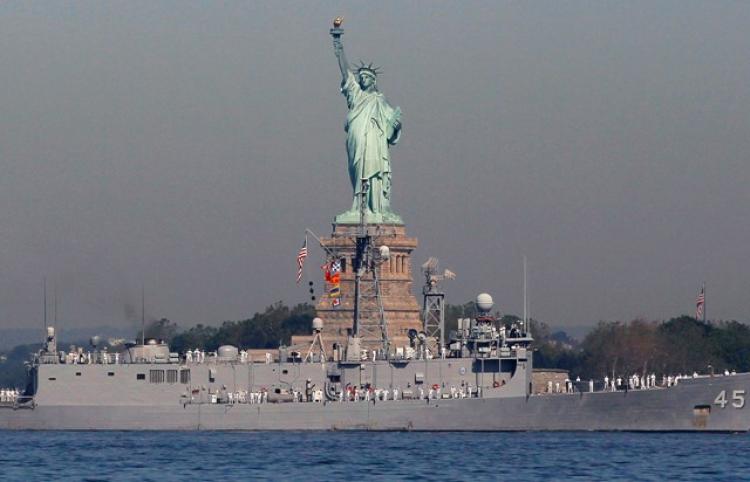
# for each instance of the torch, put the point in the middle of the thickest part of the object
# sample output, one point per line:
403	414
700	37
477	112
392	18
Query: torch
337	31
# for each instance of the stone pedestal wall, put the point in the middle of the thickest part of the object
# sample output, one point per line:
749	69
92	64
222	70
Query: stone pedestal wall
402	310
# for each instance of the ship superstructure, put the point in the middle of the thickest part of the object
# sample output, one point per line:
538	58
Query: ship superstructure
479	380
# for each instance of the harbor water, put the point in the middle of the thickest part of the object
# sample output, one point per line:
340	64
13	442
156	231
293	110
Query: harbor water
310	456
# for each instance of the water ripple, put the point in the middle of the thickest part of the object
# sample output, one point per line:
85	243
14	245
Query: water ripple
161	456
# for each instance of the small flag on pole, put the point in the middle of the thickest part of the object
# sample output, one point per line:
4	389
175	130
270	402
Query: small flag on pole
301	259
700	303
332	270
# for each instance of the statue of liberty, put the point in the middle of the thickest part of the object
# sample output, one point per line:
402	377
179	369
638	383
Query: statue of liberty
371	126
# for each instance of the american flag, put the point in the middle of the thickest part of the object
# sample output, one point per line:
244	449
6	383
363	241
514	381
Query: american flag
301	259
700	303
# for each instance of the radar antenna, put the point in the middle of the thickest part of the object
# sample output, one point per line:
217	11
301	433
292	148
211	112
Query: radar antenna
434	300
317	344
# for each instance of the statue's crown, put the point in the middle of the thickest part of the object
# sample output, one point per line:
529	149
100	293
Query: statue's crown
368	69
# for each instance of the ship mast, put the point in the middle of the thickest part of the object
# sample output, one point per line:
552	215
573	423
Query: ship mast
525	300
369	316
44	285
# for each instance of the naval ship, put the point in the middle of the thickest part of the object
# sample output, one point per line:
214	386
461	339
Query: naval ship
479	381
476	378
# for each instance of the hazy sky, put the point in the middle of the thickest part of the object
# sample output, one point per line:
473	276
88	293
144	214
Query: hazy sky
186	146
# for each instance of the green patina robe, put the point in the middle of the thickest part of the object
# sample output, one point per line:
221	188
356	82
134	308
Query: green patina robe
371	125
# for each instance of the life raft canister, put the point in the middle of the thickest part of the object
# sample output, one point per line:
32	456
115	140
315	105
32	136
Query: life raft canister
435	387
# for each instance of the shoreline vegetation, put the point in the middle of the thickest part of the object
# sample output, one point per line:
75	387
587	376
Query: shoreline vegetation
678	345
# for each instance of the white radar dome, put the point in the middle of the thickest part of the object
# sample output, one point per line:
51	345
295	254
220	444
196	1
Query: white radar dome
484	302
228	352
317	324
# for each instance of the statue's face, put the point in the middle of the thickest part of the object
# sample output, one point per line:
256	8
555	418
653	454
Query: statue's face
366	81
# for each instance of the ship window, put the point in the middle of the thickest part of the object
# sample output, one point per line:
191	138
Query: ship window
285	372
211	375
110	374
78	374
185	376
140	376
52	378
156	376
171	376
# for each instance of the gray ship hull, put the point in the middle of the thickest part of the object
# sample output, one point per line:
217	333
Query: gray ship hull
690	406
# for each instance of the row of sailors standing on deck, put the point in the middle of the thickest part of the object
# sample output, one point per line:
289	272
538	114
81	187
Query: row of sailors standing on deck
356	394
76	356
9	395
243	396
567	386
199	356
670	380
633	382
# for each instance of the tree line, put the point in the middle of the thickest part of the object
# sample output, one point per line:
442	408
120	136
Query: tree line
681	345
267	329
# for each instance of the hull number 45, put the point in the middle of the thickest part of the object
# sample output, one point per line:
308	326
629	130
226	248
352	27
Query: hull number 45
737	401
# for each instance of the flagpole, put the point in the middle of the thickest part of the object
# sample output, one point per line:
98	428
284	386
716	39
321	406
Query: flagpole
703	288
525	300
325	248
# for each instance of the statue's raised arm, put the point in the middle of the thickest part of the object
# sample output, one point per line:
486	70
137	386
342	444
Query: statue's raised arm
338	47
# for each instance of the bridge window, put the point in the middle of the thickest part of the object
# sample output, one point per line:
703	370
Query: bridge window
171	376
185	376
156	376
140	376
110	374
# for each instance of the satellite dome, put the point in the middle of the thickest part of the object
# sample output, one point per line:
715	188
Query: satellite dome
317	324
228	352
484	302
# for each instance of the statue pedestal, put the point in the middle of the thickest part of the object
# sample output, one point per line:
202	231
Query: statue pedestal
402	311
351	217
